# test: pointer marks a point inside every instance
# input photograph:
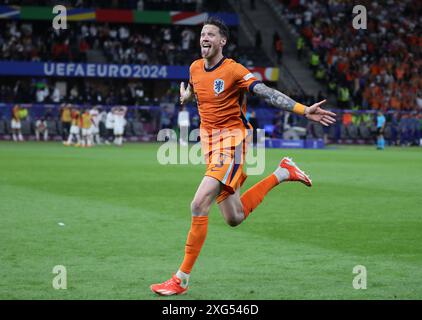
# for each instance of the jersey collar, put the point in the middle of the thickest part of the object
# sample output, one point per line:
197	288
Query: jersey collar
216	66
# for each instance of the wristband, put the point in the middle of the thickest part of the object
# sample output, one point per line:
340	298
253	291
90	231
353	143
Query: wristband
299	108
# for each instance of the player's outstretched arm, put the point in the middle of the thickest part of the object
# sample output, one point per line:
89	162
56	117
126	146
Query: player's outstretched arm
186	94
284	102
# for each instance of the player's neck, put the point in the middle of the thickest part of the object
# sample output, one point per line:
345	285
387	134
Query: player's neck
212	62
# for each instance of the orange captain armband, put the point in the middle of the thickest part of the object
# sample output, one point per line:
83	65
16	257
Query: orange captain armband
299	108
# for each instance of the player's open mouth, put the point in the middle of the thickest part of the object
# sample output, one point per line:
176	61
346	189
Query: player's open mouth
205	48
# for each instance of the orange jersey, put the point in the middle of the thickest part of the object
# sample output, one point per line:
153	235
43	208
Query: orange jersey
15	113
66	115
85	121
220	93
75	118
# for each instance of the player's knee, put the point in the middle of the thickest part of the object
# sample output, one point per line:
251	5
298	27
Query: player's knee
195	206
198	206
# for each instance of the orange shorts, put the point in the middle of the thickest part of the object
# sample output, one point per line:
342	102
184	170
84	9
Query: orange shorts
225	156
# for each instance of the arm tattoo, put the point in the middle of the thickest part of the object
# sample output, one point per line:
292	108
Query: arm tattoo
274	97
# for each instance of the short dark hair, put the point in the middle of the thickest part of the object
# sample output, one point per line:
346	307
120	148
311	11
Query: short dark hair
224	30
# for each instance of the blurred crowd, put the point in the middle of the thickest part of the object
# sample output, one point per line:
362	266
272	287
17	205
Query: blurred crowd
112	43
122	43
377	68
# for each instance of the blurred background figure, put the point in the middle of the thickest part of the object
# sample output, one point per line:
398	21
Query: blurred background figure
119	124
85	124
41	129
95	127
380	130
16	124
74	133
255	125
183	123
66	119
109	125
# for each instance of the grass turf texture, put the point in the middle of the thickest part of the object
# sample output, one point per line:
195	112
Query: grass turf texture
126	220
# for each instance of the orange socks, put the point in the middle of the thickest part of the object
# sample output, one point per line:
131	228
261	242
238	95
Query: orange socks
254	196
198	230
196	238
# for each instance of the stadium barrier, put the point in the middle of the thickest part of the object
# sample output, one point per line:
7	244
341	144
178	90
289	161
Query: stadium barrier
144	122
295	144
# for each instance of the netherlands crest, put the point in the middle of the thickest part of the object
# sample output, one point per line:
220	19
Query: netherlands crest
218	86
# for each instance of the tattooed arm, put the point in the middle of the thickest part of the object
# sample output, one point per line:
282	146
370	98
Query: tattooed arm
284	102
277	98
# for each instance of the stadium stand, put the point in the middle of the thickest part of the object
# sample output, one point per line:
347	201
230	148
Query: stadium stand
363	78
123	43
377	68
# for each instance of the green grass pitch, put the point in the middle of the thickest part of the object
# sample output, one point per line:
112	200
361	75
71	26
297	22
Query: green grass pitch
126	220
